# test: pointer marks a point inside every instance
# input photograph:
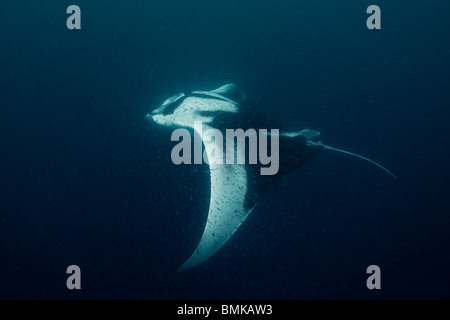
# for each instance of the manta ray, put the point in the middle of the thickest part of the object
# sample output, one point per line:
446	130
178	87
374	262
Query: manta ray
235	188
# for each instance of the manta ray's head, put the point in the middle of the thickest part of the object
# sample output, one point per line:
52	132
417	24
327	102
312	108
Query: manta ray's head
182	110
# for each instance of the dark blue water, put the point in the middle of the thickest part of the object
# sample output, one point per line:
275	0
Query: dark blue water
86	180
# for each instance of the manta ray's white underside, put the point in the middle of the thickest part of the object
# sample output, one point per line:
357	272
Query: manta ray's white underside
226	210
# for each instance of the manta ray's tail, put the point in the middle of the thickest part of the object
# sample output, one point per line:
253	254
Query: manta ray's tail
357	155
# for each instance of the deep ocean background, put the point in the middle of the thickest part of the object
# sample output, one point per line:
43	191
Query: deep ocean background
86	180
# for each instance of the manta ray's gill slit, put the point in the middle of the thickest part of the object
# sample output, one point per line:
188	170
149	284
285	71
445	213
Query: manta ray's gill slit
358	156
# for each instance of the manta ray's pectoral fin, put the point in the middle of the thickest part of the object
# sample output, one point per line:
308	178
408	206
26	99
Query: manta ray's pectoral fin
233	197
228	206
227	211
